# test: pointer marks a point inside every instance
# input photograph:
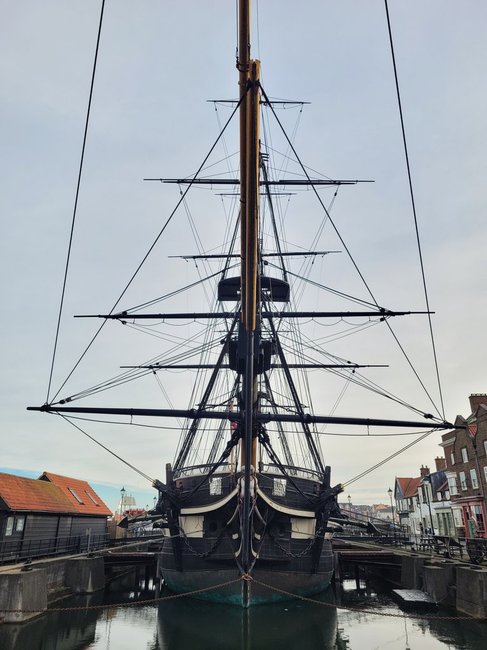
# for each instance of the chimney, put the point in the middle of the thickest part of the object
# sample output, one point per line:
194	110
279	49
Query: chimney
425	470
476	399
440	463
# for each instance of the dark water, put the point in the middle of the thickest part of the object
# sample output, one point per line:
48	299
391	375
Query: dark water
186	624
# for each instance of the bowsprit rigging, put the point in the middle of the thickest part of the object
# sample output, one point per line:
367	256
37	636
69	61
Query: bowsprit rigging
249	491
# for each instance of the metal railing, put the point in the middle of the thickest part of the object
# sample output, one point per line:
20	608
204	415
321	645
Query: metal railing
19	550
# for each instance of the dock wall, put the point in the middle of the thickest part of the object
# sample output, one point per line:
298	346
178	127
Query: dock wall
451	582
454	584
26	592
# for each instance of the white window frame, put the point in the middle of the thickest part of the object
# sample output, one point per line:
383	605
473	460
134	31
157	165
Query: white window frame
452	458
464	454
279	487
216	486
9	526
19	523
473	478
463	481
457	517
452	484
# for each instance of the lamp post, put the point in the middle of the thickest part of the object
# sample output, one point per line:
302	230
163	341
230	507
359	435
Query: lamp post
349	505
389	492
427	481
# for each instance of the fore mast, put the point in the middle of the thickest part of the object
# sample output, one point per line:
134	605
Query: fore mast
249	76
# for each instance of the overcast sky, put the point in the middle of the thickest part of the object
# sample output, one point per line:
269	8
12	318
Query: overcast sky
159	62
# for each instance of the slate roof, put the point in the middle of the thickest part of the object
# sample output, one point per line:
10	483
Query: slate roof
34	495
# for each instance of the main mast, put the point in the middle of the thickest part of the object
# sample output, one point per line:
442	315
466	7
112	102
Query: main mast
249	75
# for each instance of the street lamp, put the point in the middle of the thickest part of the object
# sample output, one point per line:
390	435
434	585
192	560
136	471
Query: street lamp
427	480
349	505
389	492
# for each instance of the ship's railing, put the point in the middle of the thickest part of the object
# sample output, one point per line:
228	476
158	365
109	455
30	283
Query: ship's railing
267	468
291	470
201	470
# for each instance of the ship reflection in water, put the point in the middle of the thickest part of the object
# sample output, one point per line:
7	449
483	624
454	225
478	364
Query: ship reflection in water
185	624
193	624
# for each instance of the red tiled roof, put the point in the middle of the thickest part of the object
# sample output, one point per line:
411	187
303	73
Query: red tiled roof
50	494
409	486
80	495
30	494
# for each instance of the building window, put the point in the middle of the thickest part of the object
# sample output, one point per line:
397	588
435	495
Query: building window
216	485
19	524
464	455
73	492
279	487
457	517
473	476
485	473
452	484
463	481
478	514
92	498
452	458
485	447
9	528
438	496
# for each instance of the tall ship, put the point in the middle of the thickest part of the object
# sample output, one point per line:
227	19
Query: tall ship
248	505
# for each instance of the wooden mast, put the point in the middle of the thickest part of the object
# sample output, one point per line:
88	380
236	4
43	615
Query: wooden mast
249	75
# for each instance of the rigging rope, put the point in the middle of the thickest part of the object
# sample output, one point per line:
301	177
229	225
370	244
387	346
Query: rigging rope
347	250
75	208
386	460
152	246
413	206
143	474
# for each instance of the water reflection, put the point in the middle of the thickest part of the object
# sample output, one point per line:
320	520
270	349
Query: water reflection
185	624
194	624
55	631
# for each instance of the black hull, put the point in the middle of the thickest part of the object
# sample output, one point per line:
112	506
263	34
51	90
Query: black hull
226	586
292	555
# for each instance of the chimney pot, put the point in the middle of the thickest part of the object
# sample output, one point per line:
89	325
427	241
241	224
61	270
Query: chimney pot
476	399
440	463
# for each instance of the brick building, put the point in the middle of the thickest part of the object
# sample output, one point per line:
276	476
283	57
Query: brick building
423	502
466	469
